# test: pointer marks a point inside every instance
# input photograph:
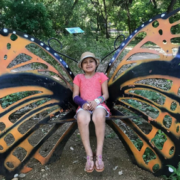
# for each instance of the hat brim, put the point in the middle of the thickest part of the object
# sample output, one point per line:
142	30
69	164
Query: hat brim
95	58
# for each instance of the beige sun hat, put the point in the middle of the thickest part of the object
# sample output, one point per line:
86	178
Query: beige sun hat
86	55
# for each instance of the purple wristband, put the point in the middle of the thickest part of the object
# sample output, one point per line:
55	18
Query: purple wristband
79	101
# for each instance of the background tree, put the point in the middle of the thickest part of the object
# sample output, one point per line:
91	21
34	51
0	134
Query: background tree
98	18
27	16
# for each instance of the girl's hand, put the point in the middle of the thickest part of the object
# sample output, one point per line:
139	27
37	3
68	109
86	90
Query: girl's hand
86	106
93	105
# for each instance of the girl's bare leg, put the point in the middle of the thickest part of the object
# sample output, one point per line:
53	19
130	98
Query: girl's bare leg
83	119
99	122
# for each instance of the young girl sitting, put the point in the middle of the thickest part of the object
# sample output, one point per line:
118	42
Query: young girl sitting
89	92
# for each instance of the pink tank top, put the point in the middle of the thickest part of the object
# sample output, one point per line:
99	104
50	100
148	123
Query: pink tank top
91	88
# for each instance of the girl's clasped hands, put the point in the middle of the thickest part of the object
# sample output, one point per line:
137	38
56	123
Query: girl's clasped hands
90	106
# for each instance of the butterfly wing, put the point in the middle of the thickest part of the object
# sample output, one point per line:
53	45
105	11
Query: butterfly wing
145	82
33	94
43	92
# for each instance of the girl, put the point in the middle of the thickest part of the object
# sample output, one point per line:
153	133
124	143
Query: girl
89	92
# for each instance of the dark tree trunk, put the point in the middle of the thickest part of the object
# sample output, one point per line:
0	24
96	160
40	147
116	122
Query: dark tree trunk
69	15
154	3
97	29
97	17
129	18
170	7
101	14
106	19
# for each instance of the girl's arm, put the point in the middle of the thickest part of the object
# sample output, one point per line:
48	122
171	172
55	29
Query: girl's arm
75	90
105	92
78	100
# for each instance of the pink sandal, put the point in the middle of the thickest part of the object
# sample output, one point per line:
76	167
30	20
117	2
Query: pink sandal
89	164
99	165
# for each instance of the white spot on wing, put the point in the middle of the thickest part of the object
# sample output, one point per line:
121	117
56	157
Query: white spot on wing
5	30
170	169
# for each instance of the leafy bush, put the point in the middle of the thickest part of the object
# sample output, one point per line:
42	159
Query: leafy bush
159	139
12	98
74	46
28	17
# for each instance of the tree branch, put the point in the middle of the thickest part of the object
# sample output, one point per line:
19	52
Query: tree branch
76	1
154	3
170	7
70	14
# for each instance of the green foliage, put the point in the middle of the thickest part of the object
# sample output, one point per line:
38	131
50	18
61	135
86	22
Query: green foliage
151	95
111	135
66	14
176	173
42	101
143	107
173	106
26	16
148	155
167	121
12	98
159	139
41	17
74	46
137	121
138	143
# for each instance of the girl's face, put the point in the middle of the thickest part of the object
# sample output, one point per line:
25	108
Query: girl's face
89	65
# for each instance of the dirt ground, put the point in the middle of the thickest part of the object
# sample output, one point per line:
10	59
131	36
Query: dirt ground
71	164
